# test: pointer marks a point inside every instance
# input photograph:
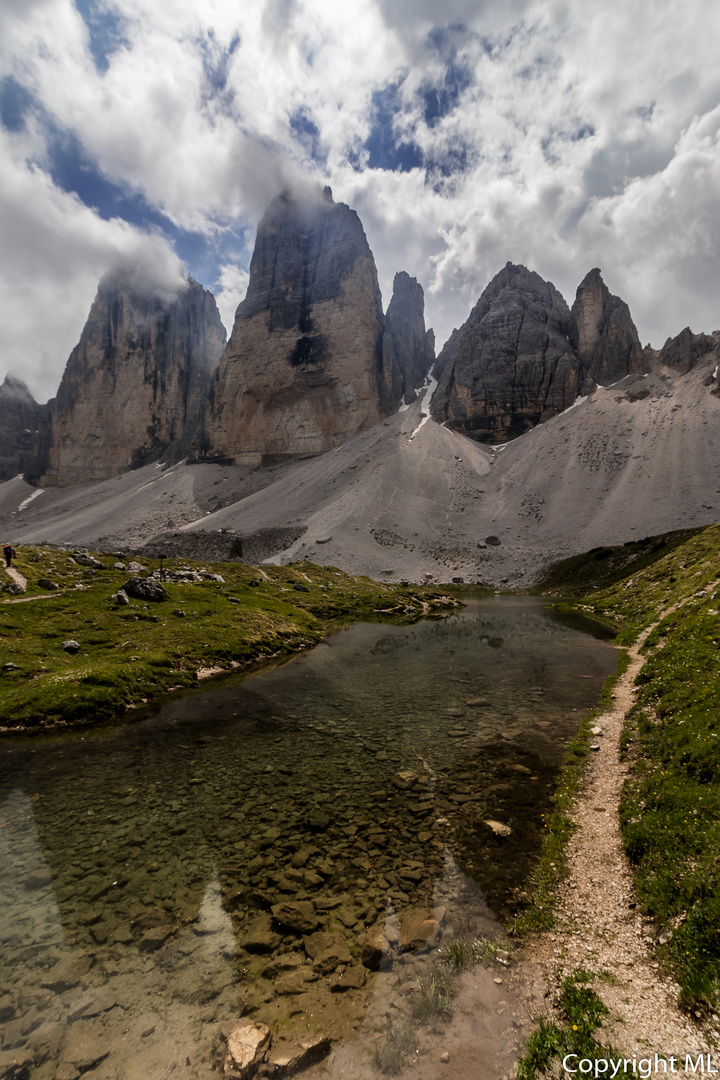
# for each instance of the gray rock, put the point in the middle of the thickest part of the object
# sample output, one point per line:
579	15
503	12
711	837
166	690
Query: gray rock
414	345
47	584
20	416
121	598
300	588
83	559
608	346
71	645
144	589
512	363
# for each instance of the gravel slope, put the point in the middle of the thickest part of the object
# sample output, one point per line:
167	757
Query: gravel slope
406	501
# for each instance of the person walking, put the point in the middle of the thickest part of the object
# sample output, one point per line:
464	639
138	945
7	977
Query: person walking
9	552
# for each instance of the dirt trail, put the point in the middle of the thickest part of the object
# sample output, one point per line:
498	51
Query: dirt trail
16	576
598	926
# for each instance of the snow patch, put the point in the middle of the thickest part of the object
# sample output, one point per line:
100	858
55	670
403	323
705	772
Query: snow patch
427	391
26	502
715	372
578	401
403	405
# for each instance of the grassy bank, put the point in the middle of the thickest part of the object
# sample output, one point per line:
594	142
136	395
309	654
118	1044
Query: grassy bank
670	811
131	655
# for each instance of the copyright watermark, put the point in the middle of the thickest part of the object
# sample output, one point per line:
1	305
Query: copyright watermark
701	1065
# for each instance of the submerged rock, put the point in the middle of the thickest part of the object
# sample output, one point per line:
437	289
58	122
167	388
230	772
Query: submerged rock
245	1047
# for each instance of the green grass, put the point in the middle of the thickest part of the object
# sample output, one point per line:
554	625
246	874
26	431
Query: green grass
432	1001
580	1014
391	1051
131	656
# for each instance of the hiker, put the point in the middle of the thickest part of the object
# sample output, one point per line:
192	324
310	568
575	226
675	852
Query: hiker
8	554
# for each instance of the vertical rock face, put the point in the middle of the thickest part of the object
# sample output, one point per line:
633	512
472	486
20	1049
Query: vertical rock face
512	363
21	419
608	346
136	384
414	346
308	363
684	351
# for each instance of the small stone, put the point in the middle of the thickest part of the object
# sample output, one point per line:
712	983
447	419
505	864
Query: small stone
155	937
445	1057
594	746
352	978
261	936
298	916
247	1044
121	598
300	588
376	948
71	646
499	829
46	583
327	951
498	981
323	539
405	779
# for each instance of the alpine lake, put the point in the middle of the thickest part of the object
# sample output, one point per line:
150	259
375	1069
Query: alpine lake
290	849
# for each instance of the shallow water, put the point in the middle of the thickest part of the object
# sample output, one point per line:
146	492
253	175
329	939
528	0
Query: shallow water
140	866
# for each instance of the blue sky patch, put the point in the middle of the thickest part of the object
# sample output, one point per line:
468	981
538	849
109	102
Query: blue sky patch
384	149
16	101
106	29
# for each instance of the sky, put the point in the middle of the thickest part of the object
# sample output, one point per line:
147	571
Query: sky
554	133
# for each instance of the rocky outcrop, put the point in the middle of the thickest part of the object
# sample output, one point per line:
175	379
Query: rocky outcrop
135	386
608	347
21	420
309	363
512	364
685	351
414	345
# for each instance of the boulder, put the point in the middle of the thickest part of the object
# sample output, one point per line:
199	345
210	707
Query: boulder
121	598
144	589
71	645
47	584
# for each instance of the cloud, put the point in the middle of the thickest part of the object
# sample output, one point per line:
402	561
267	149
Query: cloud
464	134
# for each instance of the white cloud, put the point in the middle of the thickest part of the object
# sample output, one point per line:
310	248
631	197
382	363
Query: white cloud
232	286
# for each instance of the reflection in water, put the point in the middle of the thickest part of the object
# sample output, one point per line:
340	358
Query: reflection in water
262	847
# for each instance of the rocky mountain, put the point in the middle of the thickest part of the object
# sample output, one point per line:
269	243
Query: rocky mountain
688	350
607	343
310	360
414	345
523	356
512	364
21	419
136	385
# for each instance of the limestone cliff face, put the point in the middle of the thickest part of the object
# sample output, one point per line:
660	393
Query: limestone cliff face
685	351
607	342
136	385
21	420
513	362
308	363
414	345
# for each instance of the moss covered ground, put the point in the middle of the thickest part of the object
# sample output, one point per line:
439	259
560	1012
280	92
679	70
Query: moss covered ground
132	655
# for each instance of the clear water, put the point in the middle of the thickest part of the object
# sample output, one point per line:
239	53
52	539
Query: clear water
140	865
